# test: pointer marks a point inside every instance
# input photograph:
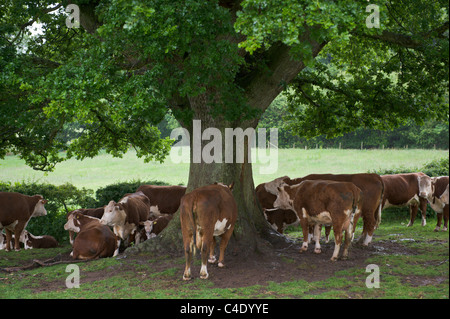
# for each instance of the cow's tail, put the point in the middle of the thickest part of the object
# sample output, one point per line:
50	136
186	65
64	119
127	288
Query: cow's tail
188	211
380	207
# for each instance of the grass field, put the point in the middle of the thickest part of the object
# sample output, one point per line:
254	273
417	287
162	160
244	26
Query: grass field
104	169
413	261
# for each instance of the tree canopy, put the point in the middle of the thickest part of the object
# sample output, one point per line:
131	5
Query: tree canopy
131	61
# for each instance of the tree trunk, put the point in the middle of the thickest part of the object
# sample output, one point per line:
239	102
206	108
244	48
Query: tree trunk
251	232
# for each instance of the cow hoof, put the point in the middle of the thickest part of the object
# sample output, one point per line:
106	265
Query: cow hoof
333	259
317	250
204	276
437	229
444	229
344	258
212	260
221	265
409	224
186	278
17	249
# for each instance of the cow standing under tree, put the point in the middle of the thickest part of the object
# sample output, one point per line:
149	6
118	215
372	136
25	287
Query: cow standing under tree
15	213
440	200
410	189
206	212
322	202
372	188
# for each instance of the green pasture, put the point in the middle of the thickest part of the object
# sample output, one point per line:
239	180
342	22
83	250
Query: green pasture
104	169
417	268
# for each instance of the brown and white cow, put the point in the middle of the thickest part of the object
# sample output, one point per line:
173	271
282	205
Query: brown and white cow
279	219
94	212
411	189
30	241
94	240
152	228
372	188
163	199
206	212
439	201
126	216
15	212
323	202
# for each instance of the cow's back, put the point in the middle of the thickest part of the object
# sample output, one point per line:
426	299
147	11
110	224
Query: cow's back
399	188
137	208
167	198
94	241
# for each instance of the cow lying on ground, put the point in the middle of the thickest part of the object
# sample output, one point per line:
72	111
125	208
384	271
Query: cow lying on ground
94	212
15	212
94	240
326	203
163	199
126	216
372	188
204	213
440	200
411	190
30	241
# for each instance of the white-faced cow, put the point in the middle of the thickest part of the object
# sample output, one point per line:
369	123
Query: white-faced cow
15	212
278	218
206	212
126	216
411	189
372	188
152	227
163	199
30	241
94	240
94	212
439	201
323	202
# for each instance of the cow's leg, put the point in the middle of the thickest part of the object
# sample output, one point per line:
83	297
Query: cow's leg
206	244
369	223
348	239
337	230
310	233
413	209
305	227
188	247
423	209
445	218
212	259
8	239
116	252
439	221
225	238
327	234
17	232
317	231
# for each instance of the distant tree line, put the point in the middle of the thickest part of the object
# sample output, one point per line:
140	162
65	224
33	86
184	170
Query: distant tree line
432	134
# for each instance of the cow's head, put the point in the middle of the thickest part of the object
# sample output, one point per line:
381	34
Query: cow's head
284	199
73	221
39	209
148	226
425	186
114	214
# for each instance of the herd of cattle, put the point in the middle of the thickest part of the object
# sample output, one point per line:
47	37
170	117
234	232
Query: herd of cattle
332	201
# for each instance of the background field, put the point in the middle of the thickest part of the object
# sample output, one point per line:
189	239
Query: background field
413	261
104	169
